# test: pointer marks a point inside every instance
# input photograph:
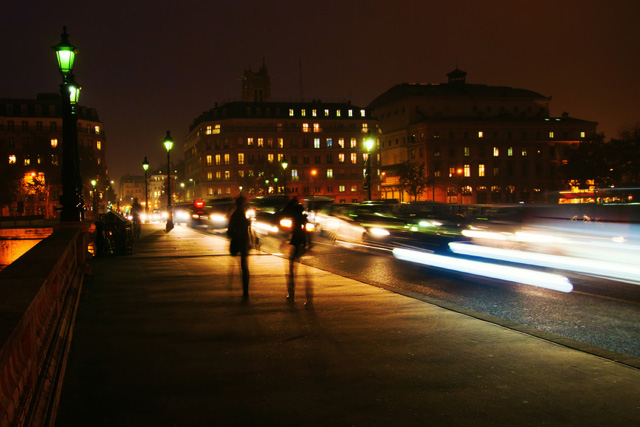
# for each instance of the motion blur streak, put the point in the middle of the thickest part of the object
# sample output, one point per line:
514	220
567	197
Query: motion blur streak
612	270
494	271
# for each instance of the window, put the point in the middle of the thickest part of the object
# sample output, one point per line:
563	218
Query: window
329	173
97	129
524	151
209	130
365	128
216	129
316	142
354	143
209	176
241	158
341	142
354	158
326	112
303	112
99	145
218	174
294	174
337	113
12	159
481	170
250	141
583	134
54	142
54	159
280	143
496	171
27	161
550	135
350	113
227	175
363	113
341	188
467	151
341	158
354	188
510	151
329	142
53	126
316	127
38	125
291	113
270	158
305	127
480	134
467	170
260	142
496	152
218	162
314	113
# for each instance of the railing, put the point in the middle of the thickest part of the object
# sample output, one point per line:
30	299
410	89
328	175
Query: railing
38	301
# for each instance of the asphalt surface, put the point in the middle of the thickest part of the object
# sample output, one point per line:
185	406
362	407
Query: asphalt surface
163	338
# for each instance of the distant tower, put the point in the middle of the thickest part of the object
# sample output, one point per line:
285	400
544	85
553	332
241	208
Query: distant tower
457	76
256	87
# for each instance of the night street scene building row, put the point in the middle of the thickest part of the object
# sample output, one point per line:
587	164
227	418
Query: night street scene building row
31	154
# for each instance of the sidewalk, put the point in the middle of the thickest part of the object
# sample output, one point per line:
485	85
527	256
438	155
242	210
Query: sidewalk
163	339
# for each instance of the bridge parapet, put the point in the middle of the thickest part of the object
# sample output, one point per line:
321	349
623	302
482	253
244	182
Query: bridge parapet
38	301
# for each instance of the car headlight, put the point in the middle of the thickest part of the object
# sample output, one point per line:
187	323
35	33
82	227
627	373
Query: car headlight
378	232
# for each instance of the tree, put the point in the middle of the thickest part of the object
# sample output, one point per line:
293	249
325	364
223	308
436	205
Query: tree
588	161
413	178
626	155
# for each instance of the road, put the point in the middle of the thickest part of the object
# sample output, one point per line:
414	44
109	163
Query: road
599	312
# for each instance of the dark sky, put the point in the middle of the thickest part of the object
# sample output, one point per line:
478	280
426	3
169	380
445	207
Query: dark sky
150	66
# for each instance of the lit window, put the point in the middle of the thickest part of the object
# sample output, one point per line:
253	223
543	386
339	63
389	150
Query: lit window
303	112
99	145
97	130
305	127
260	142
481	170
363	113
316	142
12	159
326	112
341	142
467	151
510	151
218	174
496	152
294	173
54	159
341	188
217	159
209	160
452	172
354	158
329	173
480	134
241	174
227	174
280	143
524	151
365	127
54	142
270	158
583	134
27	161
467	170
241	158
291	112
329	142
209	176
249	141
551	135
210	191
337	113
341	158
354	188
314	112
216	129
316	127
209	130
226	159
354	143
350	113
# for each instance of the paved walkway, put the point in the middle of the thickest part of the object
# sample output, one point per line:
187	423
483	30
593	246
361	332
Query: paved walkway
162	338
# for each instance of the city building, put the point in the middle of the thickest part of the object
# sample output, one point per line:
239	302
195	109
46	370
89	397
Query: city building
31	154
478	143
258	147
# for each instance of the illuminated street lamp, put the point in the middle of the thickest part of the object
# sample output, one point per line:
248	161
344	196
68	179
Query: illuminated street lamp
369	142
145	166
72	201
168	144
285	165
314	172
95	201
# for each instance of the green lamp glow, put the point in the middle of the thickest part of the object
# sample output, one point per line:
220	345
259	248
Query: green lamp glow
168	141
65	53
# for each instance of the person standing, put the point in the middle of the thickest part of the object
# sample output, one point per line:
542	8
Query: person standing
238	231
298	243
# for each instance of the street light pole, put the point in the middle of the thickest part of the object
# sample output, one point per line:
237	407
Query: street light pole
368	144
95	201
168	144
284	164
72	200
145	166
314	172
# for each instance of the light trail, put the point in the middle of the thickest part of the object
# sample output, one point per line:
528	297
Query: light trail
525	276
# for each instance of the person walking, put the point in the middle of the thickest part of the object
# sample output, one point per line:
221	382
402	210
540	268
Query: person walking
298	243
238	231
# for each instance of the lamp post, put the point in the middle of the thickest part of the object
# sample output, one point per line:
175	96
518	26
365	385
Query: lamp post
285	165
168	144
72	200
314	172
145	166
95	201
368	144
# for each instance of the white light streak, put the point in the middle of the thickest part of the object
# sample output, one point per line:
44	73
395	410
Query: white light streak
525	276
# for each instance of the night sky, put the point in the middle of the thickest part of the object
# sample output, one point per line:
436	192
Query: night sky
152	66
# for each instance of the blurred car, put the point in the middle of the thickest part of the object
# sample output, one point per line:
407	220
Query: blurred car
182	213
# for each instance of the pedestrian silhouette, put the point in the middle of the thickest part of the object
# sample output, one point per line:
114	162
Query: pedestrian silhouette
298	244
238	231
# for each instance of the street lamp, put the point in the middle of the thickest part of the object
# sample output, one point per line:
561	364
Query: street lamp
314	172
145	166
369	142
284	164
95	201
72	201
168	144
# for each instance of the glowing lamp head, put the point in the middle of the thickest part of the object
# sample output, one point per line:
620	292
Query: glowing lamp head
314	172
168	141
93	183
145	164
369	143
65	53
285	164
74	90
